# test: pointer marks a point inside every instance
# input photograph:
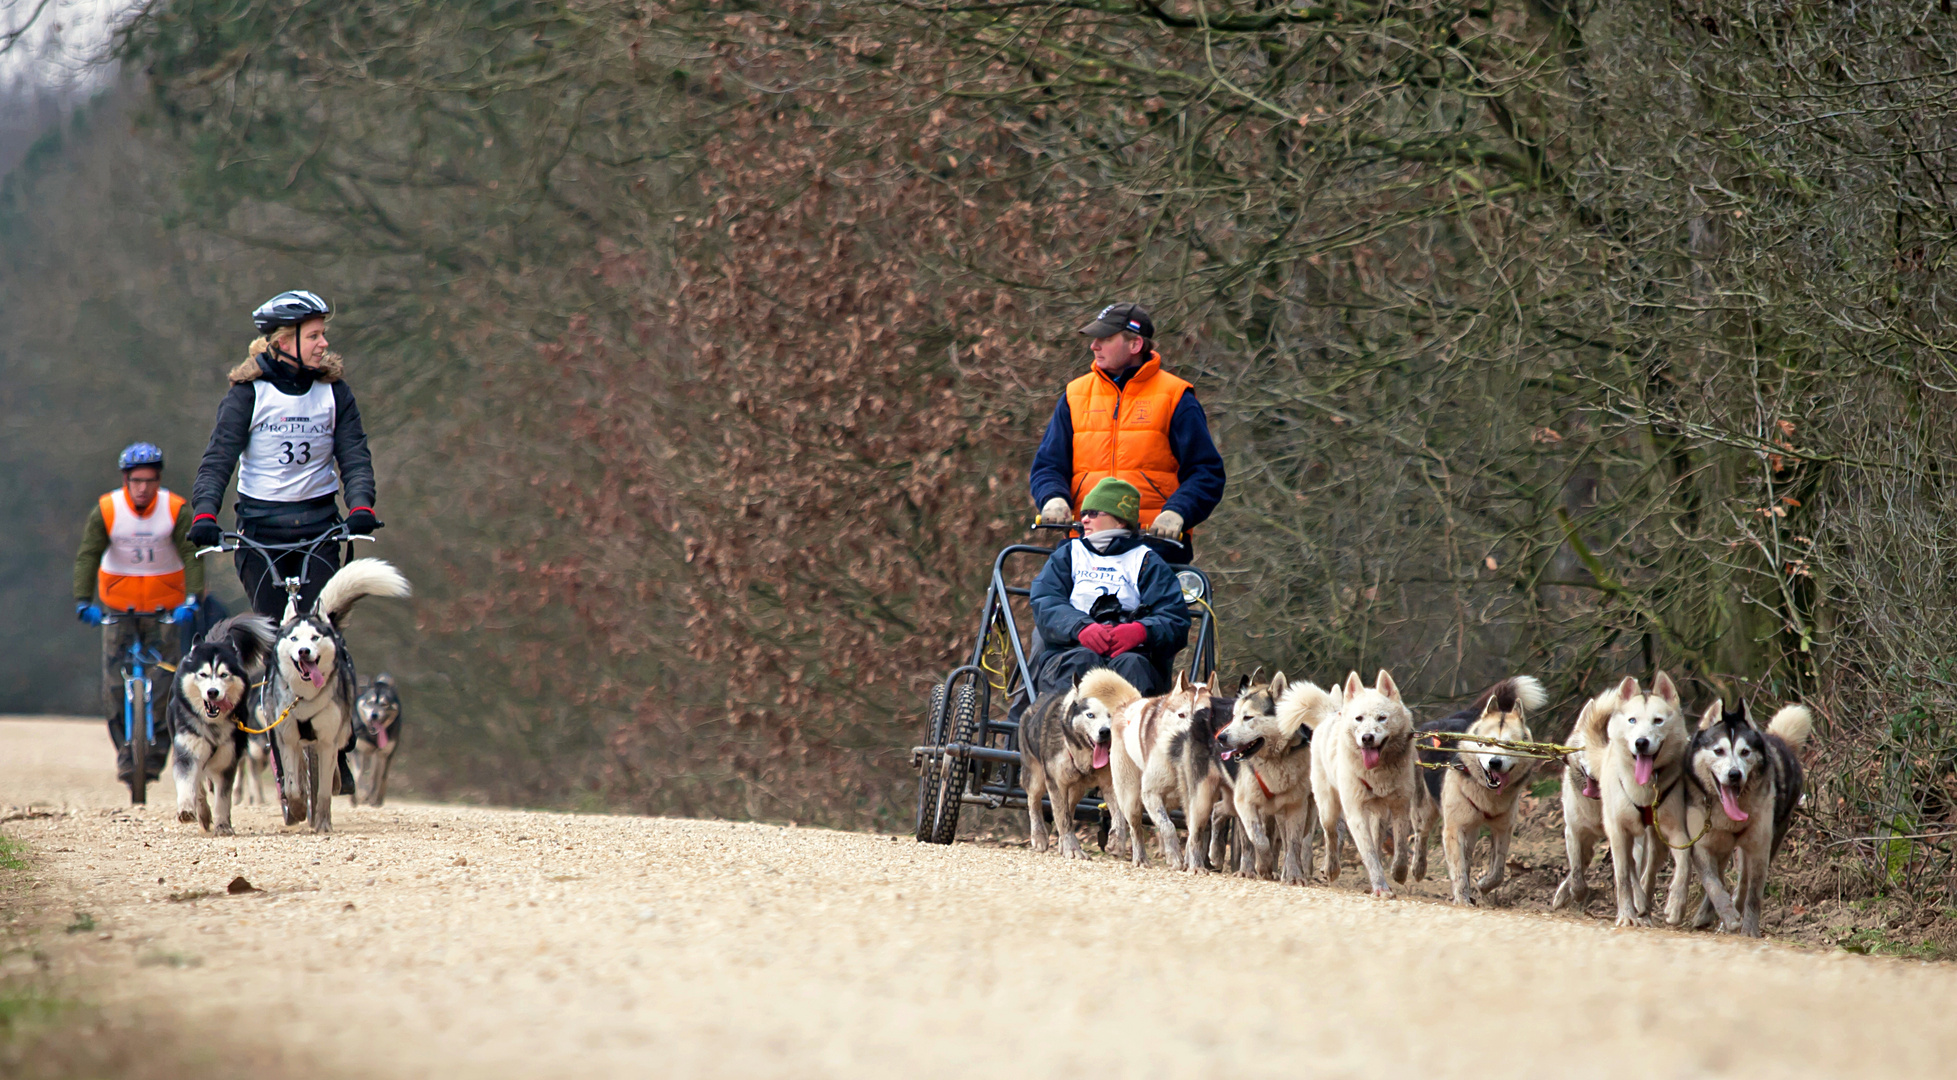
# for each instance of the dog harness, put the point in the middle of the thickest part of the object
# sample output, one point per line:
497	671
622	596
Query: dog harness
1261	785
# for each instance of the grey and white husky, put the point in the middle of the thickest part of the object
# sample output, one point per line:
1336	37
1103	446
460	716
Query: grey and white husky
206	704
376	735
1165	755
1481	786
1065	743
310	691
1268	738
1741	789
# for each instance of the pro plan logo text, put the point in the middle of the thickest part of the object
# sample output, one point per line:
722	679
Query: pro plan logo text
295	425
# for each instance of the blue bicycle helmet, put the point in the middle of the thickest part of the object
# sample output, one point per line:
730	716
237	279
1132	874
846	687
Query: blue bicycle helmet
136	455
289	309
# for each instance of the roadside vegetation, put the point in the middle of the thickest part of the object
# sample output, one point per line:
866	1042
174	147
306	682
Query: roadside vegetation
705	344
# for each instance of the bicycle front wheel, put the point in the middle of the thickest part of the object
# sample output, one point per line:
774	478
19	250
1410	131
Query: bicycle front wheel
135	705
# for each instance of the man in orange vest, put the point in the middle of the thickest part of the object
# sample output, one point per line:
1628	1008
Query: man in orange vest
136	556
1129	419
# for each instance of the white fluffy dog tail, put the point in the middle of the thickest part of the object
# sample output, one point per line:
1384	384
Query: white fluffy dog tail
361	577
1306	703
1529	693
1793	723
1107	687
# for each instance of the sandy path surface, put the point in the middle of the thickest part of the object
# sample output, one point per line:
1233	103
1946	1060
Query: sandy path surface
426	941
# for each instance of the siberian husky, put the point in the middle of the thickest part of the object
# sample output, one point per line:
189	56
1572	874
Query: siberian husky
1164	752
1742	786
1065	744
1642	794
1362	771
1481	786
1268	738
376	735
207	705
1583	807
310	690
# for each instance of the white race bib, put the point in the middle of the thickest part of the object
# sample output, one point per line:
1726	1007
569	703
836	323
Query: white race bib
141	546
1096	575
289	456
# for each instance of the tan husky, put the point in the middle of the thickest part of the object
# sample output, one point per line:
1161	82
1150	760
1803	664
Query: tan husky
1269	740
1642	791
1156	763
1481	787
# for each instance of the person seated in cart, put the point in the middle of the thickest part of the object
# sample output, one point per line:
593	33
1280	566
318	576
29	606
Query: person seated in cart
1108	600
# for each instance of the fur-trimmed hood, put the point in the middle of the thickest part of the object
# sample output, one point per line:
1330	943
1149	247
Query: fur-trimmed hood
331	367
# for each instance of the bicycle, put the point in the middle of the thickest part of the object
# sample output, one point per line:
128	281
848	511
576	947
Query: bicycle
136	684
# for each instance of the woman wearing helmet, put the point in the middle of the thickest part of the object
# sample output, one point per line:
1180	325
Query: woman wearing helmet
290	427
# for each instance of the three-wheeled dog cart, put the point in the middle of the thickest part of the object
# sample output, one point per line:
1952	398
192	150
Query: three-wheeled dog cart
971	750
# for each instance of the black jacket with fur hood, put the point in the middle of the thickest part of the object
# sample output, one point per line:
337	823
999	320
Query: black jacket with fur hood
233	431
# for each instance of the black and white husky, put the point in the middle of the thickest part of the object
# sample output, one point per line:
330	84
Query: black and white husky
1741	790
310	690
207	703
376	734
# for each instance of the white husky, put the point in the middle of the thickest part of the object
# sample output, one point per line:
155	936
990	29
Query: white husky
1363	771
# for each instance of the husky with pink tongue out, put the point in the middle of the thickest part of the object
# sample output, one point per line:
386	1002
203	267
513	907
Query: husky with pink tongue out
1643	795
1742	788
1064	743
309	693
1363	770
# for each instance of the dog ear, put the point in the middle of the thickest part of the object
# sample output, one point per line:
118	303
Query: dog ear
1746	715
1353	684
1243	685
1077	676
1628	689
1181	685
1385	685
1662	686
1711	717
1278	684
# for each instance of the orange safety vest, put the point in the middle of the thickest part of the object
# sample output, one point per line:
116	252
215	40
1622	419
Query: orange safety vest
1123	431
141	571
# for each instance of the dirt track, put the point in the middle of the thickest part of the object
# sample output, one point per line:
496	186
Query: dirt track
448	941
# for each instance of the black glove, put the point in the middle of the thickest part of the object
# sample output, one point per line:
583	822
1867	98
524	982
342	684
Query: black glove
362	522
204	531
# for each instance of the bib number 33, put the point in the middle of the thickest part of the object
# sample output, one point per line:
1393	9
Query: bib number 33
295	453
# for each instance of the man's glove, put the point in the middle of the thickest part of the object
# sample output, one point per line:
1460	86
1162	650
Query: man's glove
1097	636
185	611
204	531
362	522
88	613
1167	525
1056	512
1128	635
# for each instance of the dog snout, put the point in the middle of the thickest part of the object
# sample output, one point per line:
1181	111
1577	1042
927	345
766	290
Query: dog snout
212	693
1734	777
1642	746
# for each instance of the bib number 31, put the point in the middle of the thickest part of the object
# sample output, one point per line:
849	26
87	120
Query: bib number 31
295	453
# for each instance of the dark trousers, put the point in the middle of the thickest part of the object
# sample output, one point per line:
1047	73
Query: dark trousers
115	645
1055	669
260	579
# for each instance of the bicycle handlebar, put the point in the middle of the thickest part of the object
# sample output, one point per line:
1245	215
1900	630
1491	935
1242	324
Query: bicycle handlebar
233	541
162	615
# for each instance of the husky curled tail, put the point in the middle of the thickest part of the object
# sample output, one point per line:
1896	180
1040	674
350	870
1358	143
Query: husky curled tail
361	577
1113	691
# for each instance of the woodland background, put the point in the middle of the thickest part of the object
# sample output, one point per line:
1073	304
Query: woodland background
703	346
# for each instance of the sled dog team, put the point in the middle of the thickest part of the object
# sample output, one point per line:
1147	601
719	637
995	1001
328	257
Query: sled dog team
250	690
1643	777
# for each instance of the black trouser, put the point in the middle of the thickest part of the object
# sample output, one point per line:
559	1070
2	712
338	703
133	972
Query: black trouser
115	646
1057	668
261	580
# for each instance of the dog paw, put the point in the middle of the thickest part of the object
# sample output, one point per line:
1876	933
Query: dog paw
224	830
1382	892
186	816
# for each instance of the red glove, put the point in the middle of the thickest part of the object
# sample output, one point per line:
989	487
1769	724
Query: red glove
1128	635
1097	636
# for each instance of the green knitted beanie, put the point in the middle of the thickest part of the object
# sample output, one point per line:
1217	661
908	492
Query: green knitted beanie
1117	497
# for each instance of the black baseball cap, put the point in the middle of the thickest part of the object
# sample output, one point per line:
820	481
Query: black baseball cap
1121	318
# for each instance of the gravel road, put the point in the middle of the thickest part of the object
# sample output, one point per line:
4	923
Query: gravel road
435	941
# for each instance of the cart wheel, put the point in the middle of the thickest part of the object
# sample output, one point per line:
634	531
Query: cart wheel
927	777
954	771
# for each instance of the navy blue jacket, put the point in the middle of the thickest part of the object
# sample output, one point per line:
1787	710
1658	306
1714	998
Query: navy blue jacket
1163	611
1199	468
